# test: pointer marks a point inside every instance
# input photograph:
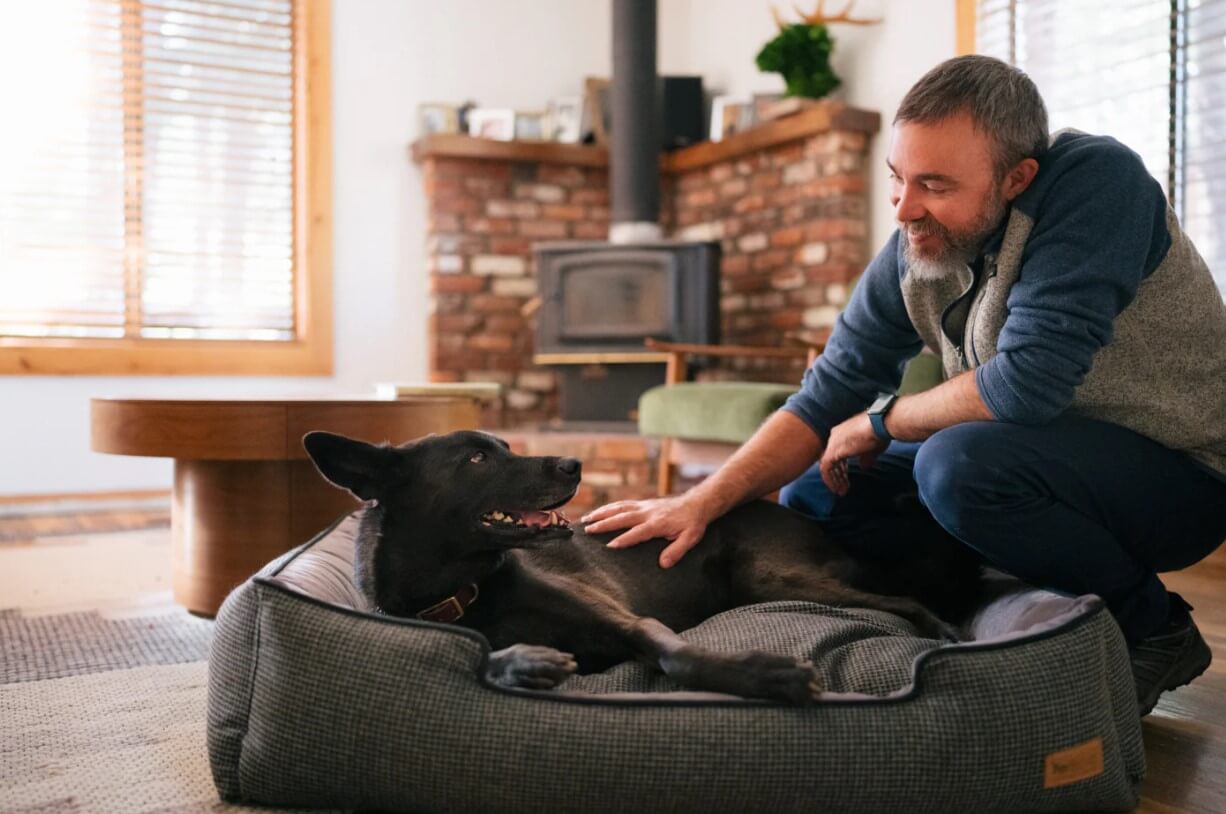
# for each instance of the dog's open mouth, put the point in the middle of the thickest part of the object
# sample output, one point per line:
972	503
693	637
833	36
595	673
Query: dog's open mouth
535	519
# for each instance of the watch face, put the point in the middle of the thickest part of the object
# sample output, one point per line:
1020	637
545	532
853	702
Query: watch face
880	404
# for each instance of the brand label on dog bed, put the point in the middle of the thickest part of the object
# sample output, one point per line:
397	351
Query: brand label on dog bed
1080	762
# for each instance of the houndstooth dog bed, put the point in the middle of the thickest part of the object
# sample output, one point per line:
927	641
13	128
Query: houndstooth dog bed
315	702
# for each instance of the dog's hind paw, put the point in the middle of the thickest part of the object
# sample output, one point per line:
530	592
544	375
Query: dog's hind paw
783	679
530	666
752	674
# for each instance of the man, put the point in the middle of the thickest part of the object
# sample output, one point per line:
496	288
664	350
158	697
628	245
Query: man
1079	440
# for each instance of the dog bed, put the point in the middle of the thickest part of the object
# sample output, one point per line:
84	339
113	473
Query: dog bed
313	701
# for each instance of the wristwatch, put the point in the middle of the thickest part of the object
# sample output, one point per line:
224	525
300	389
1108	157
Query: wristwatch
876	414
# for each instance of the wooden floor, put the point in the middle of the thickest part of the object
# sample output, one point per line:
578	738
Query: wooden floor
1185	737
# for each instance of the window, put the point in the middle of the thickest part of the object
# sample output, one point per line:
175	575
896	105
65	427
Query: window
1151	73
164	187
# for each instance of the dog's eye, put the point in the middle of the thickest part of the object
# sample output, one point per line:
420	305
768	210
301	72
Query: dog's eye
477	458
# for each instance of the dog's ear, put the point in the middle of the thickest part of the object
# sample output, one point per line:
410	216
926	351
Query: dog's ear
360	467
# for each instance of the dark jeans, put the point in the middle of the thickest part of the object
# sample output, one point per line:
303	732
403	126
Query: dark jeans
1075	505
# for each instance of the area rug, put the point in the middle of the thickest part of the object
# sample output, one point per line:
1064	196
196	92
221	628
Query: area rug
105	714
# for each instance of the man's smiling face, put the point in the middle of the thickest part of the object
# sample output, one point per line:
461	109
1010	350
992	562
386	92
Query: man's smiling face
945	191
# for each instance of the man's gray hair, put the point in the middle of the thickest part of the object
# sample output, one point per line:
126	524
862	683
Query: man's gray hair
1002	101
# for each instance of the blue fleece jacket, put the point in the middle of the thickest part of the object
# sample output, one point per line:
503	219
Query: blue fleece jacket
1098	227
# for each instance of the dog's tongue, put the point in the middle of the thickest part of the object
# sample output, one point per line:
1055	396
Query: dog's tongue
535	518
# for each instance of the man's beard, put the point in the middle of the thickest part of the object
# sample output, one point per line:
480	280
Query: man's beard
957	249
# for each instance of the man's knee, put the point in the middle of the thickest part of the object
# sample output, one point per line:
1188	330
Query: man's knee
954	468
808	494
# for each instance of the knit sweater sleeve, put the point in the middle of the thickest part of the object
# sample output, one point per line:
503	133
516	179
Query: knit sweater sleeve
1100	228
872	340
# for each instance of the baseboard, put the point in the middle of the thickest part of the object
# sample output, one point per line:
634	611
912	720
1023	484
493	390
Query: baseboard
25	518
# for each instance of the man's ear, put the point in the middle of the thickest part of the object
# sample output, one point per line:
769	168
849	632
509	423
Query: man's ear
360	467
1018	178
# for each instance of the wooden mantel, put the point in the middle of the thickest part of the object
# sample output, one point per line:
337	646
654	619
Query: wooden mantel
825	116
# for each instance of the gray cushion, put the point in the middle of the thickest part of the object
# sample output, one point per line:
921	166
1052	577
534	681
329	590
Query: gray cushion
315	702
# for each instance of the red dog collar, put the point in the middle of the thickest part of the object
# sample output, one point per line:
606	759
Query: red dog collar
452	608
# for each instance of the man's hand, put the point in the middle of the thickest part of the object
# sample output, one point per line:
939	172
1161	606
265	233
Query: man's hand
681	519
853	438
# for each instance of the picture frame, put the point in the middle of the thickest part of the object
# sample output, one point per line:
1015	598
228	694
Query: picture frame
597	108
492	122
770	106
566	119
437	117
531	125
730	114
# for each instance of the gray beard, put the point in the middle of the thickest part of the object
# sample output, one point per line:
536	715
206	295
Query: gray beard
941	267
953	258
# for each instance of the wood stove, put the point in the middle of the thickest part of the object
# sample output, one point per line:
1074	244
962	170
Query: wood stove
600	301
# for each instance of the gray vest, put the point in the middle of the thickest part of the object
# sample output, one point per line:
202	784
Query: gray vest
1163	374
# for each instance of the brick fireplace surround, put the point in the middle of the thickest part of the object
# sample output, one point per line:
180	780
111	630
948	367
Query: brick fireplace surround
787	201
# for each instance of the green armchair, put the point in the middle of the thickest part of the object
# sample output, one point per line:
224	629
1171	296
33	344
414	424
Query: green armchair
704	422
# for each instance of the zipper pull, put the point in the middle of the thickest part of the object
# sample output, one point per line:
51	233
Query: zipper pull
961	359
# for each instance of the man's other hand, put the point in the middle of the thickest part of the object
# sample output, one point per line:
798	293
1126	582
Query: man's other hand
853	438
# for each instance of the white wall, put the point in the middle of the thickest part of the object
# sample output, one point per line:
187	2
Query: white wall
389	55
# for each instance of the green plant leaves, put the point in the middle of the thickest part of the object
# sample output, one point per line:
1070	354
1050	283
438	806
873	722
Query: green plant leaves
801	54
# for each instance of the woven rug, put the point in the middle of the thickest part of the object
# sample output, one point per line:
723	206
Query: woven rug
105	714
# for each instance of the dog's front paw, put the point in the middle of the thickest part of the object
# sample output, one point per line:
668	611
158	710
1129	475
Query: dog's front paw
529	665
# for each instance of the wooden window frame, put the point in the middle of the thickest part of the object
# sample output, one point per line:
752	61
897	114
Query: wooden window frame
310	352
964	36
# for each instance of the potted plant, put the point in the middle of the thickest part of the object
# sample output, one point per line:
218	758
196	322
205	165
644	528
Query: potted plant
801	52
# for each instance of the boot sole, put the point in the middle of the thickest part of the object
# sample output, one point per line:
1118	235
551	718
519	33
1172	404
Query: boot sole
1199	661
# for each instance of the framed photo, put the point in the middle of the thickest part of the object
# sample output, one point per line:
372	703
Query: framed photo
492	122
770	106
437	117
597	108
730	114
531	125
566	119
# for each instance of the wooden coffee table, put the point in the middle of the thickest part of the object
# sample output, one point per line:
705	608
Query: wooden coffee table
244	489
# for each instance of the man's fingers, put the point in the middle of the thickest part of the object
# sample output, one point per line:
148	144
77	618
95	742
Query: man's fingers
828	472
677	548
634	536
608	510
613	522
834	474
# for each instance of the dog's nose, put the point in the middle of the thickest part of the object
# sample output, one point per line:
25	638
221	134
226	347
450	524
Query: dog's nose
569	466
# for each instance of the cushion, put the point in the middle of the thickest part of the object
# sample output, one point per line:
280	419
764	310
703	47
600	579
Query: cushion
313	701
732	411
710	411
921	373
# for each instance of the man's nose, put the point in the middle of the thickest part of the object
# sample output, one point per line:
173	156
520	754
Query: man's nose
907	206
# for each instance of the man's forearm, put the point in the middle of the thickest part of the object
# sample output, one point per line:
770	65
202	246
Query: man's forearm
915	417
779	452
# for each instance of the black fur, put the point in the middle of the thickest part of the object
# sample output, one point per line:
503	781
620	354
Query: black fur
548	593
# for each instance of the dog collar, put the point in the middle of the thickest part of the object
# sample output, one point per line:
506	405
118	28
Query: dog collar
452	608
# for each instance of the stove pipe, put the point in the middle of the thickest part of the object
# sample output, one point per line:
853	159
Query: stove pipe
634	148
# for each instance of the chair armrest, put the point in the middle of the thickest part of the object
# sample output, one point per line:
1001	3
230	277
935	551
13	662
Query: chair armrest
678	351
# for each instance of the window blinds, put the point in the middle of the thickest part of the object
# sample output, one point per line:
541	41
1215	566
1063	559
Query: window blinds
146	171
1151	73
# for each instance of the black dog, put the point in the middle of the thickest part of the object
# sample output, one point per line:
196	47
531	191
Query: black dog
459	516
